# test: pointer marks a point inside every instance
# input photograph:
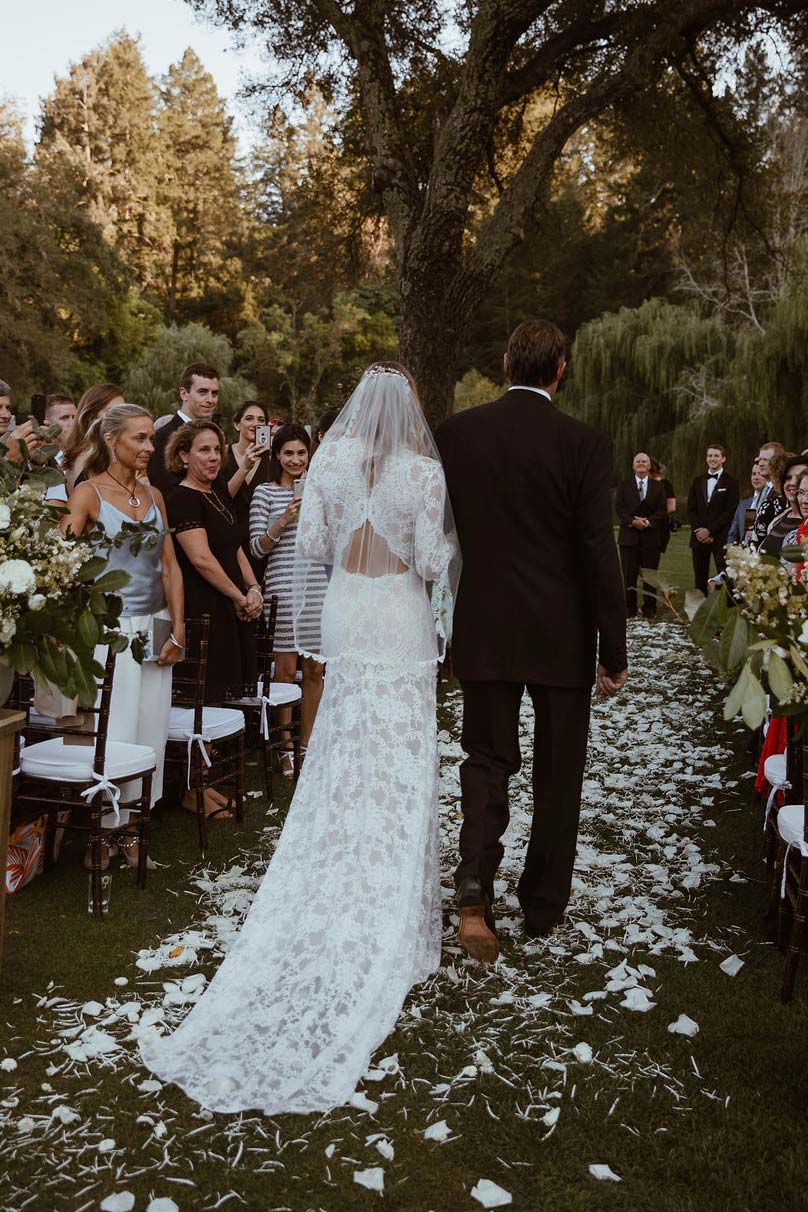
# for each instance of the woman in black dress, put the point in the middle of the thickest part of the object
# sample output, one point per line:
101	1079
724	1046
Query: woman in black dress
217	575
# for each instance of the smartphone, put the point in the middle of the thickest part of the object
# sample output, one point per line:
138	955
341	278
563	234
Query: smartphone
38	407
297	488
263	436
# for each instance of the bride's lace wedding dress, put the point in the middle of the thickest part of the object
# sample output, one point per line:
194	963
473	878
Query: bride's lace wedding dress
347	917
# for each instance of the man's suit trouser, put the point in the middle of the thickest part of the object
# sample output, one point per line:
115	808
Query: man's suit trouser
632	560
491	740
701	562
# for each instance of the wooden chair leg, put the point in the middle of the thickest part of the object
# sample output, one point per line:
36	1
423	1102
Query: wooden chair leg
144	830
96	842
784	906
297	730
239	789
797	932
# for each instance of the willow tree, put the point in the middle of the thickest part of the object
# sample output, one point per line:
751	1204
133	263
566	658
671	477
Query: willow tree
439	88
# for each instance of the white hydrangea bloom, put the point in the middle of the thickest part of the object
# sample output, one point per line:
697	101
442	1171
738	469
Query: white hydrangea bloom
17	576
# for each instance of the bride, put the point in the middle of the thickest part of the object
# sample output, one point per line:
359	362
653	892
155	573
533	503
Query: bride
347	917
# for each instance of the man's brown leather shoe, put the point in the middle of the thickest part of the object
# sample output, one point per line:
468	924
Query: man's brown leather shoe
475	936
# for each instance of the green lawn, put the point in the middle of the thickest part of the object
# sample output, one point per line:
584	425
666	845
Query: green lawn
716	1122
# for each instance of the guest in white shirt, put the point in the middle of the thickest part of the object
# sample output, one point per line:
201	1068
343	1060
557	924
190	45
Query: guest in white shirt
199	399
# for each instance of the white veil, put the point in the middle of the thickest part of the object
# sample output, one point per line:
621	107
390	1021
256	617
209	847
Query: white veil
375	505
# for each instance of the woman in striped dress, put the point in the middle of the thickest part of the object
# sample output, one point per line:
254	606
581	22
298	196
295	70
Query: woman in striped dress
273	528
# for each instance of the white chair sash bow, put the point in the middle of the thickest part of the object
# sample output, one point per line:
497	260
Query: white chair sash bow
200	739
104	784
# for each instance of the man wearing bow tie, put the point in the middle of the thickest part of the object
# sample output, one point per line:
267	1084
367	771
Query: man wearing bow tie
642	508
711	506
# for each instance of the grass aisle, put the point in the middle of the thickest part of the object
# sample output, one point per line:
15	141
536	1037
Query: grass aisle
524	1075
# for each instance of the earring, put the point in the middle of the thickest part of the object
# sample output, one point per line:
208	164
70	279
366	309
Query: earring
114	458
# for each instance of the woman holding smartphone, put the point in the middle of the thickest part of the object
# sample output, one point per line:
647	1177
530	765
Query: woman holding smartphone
273	529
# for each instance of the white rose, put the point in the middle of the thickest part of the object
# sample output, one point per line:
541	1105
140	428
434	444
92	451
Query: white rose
17	576
36	601
5	516
7	629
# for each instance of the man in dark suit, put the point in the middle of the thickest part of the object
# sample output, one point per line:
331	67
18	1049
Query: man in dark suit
711	506
199	397
642	510
540	585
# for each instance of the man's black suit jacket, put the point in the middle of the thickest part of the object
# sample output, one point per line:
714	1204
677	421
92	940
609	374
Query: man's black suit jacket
541	581
655	507
716	514
158	473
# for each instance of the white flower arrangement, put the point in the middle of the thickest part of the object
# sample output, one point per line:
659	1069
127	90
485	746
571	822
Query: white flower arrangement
56	600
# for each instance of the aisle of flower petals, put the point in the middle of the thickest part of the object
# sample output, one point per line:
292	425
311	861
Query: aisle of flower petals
525	1037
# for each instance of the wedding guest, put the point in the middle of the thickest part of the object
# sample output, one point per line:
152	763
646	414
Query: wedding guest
217	575
711	505
60	410
327	419
738	531
657	472
5	406
199	398
802	531
783	530
116	493
770	503
642	510
273	529
11	434
245	467
92	405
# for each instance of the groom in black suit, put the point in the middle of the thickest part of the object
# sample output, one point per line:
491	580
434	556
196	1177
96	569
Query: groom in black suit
540	589
711	506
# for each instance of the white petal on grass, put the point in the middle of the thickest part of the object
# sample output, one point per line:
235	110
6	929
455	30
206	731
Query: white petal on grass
637	999
93	1009
65	1114
106	1146
162	1204
372	1178
583	1053
363	1103
8	1064
386	1149
121	1201
551	1117
731	965
439	1131
683	1026
490	1195
605	1173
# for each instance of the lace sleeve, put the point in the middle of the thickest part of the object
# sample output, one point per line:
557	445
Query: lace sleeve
313	539
433	547
186	511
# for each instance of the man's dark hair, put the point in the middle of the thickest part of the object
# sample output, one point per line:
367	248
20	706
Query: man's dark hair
201	369
716	446
535	351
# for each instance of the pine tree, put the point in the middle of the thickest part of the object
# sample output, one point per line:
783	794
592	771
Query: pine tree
97	143
200	187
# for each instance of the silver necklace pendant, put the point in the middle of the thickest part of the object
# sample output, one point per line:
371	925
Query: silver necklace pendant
134	501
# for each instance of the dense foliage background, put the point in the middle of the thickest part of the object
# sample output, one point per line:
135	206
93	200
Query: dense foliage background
670	243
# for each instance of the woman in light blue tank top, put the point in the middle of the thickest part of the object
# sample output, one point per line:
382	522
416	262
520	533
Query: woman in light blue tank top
117	495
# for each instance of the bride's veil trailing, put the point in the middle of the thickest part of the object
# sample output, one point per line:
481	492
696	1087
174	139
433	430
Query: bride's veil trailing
378	457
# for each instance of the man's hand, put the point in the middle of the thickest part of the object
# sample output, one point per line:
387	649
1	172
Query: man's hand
640	523
703	535
608	684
